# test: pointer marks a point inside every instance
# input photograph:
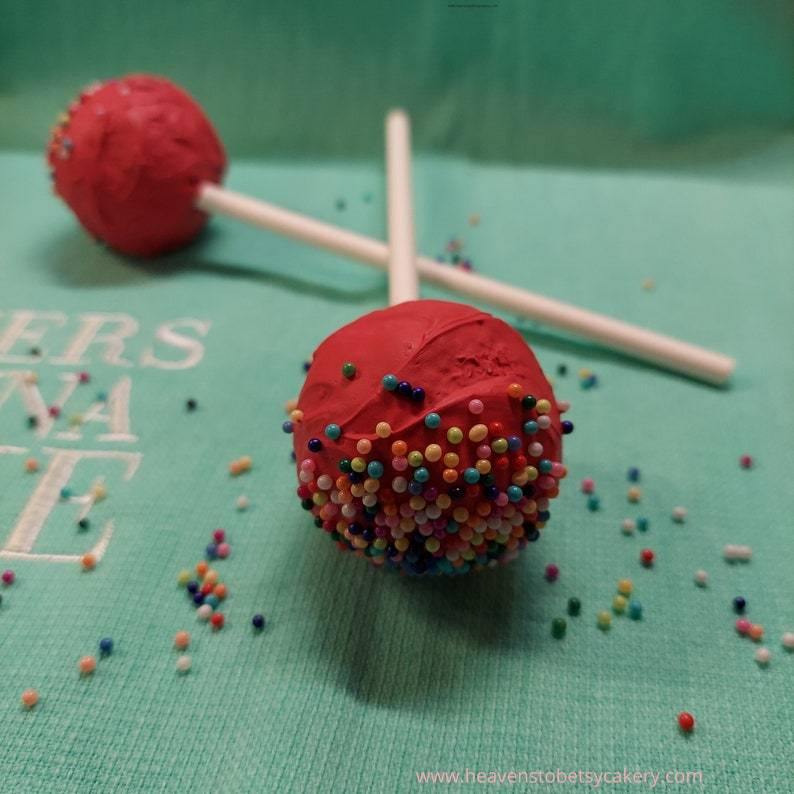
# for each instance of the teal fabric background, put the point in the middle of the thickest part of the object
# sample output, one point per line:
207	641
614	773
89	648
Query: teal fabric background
614	81
363	679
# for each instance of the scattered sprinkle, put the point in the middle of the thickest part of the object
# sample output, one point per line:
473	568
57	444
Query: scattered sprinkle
763	656
628	525
242	503
737	553
574	606
106	646
739	604
181	640
647	557
258	622
756	632
87	665
191	404
31	465
604	620
8	577
30	697
686	722
241	465
558	627
183	664
679	515
701	578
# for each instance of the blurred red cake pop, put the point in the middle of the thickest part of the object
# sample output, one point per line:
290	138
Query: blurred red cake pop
140	165
129	156
428	439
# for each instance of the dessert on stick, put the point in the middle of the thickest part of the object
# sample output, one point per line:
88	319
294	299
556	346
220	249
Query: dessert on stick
427	438
140	165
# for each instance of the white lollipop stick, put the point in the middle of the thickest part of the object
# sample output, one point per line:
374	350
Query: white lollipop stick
403	279
631	339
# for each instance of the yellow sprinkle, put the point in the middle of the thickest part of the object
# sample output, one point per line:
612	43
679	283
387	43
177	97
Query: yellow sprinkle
625	586
383	430
454	435
358	464
451	460
543	406
433	452
478	433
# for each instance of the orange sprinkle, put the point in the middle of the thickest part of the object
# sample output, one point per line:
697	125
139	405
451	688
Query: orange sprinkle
87	665
88	561
30	697
181	640
399	448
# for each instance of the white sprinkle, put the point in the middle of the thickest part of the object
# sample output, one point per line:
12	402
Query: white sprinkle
204	612
701	578
243	502
628	526
679	514
732	552
788	640
183	663
762	656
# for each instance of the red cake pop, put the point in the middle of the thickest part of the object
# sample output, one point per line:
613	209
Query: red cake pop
128	158
428	439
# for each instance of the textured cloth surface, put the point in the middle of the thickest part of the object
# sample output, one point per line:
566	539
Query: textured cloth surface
362	679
